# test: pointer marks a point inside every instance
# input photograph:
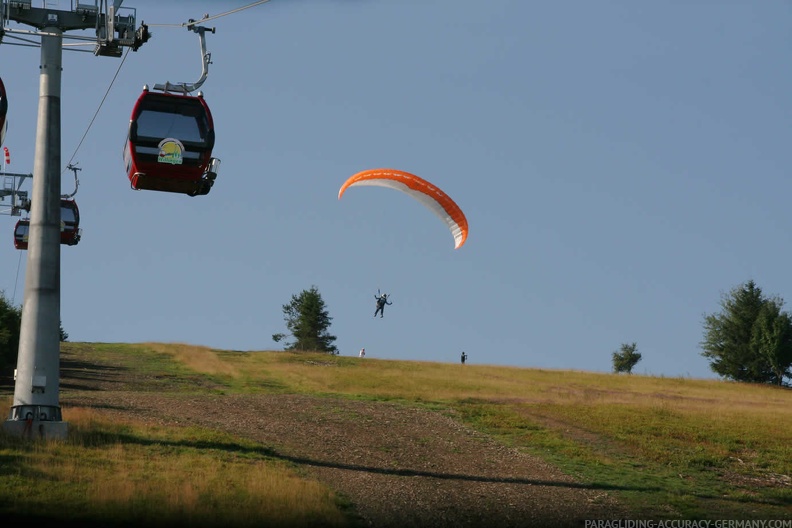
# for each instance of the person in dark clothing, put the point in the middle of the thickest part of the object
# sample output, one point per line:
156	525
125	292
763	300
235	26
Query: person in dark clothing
382	300
464	358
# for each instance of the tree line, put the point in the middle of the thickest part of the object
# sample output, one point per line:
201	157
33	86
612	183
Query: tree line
748	340
10	325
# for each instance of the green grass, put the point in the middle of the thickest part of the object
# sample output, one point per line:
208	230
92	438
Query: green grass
664	447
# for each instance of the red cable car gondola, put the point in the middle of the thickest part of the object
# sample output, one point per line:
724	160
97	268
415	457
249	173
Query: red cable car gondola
21	232
169	145
70	232
3	112
70	223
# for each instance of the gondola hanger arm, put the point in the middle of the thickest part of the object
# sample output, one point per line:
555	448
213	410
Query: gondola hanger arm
206	60
73	168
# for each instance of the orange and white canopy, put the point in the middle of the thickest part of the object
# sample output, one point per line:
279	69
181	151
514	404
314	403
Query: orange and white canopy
428	194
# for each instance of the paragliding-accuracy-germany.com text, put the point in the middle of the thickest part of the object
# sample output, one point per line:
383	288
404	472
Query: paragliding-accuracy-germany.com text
682	523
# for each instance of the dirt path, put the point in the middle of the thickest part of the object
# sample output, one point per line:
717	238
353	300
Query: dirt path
399	466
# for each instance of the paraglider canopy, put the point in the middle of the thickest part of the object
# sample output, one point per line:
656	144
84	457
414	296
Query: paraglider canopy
428	194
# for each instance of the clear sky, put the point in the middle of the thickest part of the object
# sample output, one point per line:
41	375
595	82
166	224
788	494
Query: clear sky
622	164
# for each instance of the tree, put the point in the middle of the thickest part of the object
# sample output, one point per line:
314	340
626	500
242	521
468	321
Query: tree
10	329
772	341
308	320
626	359
10	324
750	340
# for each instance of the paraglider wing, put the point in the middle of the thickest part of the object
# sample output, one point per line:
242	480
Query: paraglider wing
431	196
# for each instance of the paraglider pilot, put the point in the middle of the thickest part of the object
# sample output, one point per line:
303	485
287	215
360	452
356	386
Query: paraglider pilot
382	300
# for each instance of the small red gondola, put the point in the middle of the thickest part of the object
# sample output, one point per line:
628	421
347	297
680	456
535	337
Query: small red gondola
70	223
21	232
169	145
3	112
70	232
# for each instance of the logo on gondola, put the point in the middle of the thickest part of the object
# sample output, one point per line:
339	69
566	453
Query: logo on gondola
170	151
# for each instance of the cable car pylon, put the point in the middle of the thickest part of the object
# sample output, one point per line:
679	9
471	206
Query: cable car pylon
36	412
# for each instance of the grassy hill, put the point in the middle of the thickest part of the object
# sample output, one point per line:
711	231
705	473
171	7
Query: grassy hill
144	449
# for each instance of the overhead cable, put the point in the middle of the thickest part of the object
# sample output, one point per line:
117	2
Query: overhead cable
97	111
207	18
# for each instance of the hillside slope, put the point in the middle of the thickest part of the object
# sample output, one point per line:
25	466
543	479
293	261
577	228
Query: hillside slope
398	465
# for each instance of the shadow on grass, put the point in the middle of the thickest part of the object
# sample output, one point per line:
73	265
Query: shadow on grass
83	375
271	453
268	452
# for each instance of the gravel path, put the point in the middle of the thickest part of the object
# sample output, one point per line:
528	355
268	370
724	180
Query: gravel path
399	466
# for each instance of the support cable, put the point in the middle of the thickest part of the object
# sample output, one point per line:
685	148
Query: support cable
16	280
207	18
97	112
30	43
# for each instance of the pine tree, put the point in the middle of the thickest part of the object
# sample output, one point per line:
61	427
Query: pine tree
10	323
750	339
772	343
308	321
626	359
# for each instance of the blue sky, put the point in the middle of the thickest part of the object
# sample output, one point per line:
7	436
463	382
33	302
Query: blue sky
621	164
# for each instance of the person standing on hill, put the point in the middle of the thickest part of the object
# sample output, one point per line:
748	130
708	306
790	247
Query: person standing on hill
362	352
463	358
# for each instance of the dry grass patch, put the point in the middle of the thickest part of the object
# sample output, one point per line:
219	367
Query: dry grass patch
198	358
115	471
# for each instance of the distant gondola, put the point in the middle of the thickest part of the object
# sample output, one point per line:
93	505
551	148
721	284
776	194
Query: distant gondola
21	232
169	145
70	223
3	112
70	232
